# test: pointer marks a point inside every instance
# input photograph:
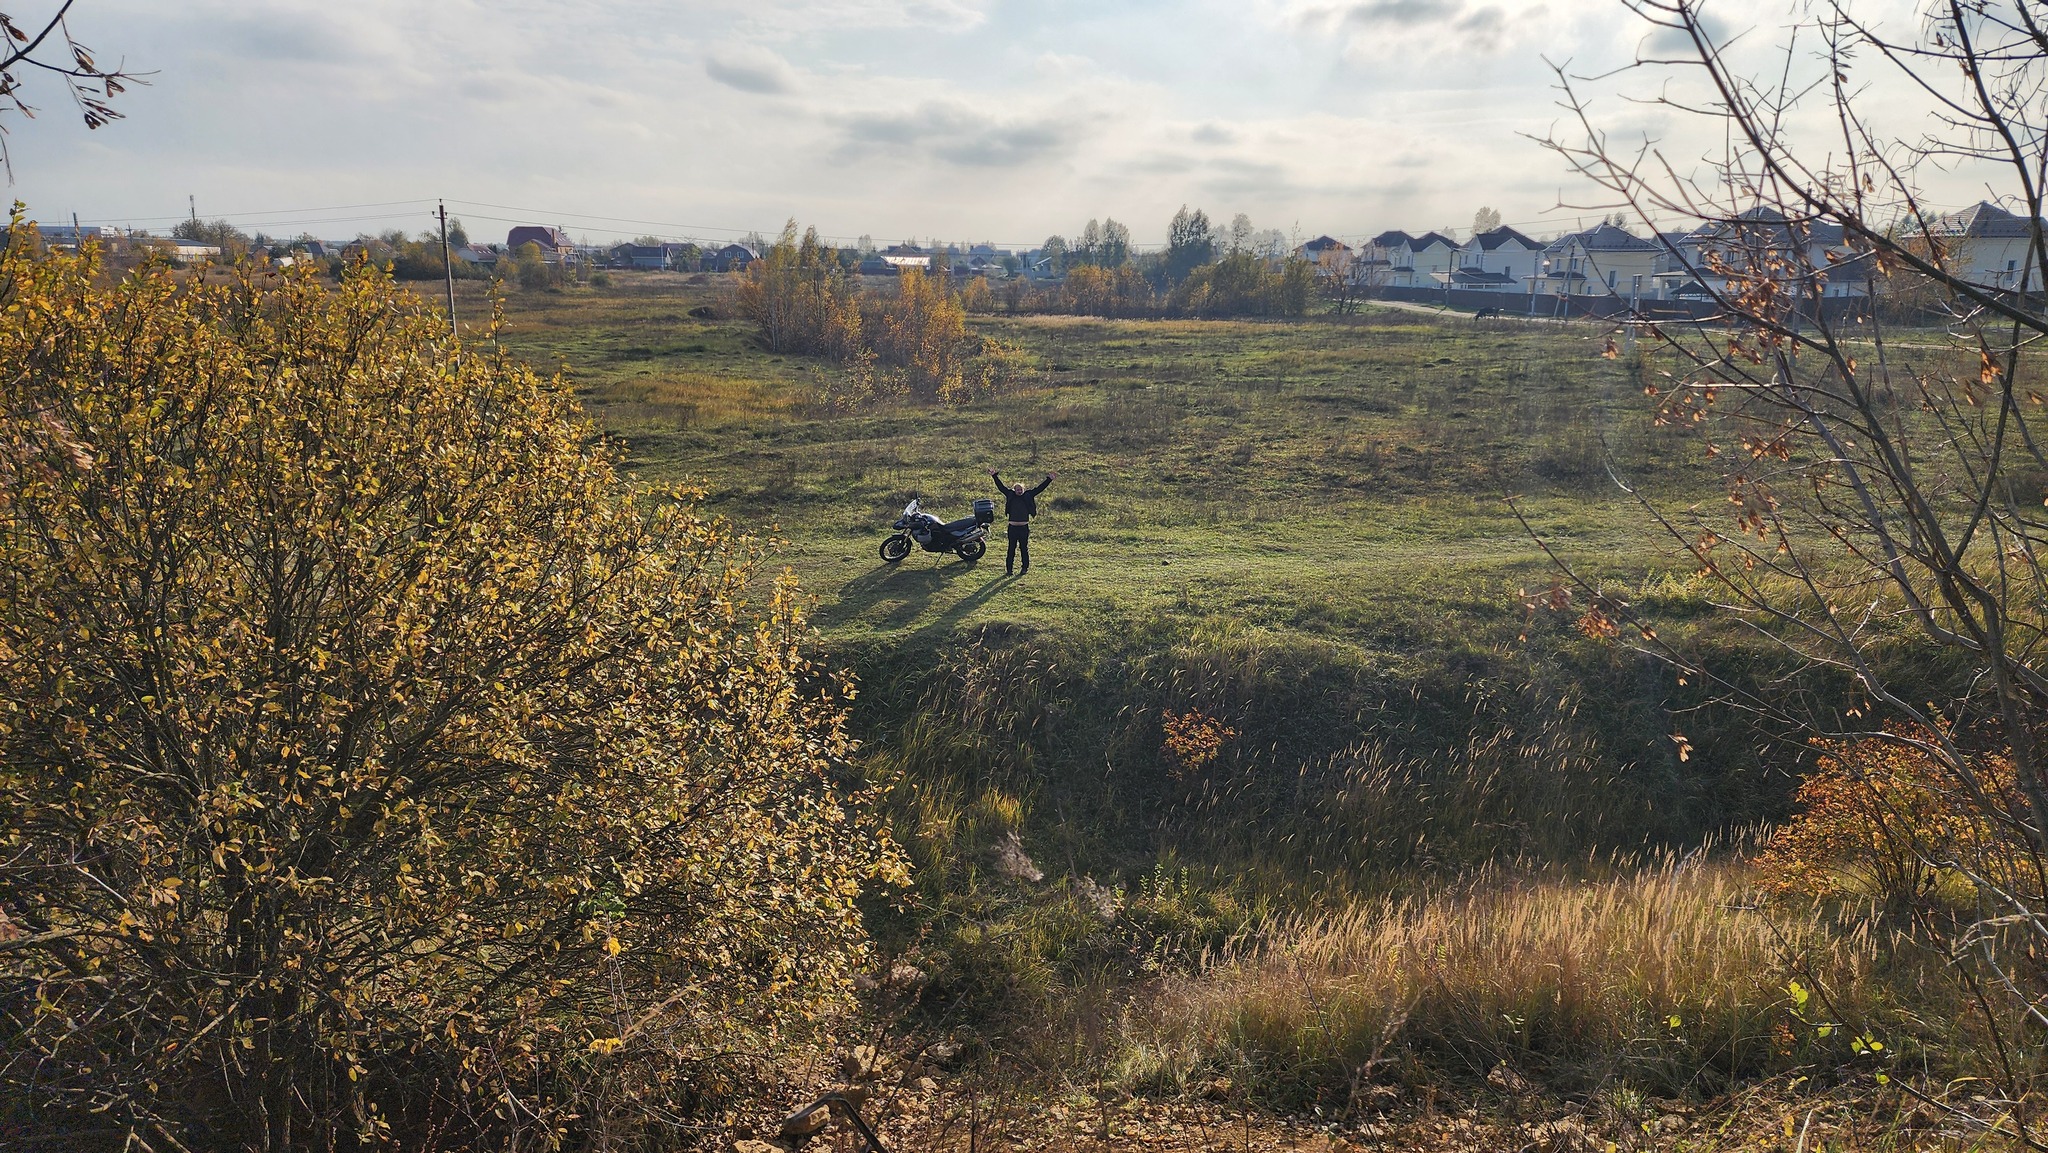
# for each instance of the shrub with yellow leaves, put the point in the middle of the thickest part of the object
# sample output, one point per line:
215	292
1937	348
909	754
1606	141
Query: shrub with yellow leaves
374	766
1879	816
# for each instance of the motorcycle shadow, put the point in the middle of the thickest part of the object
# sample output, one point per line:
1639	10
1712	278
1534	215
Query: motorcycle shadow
895	596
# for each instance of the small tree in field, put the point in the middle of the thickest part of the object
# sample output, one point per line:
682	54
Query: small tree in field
801	300
374	768
919	335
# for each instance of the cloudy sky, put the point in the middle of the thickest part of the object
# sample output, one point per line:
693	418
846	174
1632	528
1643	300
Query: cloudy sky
1003	120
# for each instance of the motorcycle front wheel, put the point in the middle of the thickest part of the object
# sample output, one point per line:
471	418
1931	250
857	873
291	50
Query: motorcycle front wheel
972	550
895	548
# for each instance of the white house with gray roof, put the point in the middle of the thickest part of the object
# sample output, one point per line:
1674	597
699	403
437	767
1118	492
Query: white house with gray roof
1604	260
1987	246
1497	260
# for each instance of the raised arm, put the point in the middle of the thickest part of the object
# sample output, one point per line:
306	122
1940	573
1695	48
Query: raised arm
999	482
1042	484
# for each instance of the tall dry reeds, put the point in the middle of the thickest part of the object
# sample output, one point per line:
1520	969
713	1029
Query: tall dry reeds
1668	980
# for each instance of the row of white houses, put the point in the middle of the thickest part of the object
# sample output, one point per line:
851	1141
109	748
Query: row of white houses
1985	244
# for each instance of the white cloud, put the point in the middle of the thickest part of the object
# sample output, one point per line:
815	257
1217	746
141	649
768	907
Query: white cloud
751	68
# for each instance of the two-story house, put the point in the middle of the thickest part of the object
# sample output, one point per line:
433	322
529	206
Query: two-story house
641	256
1605	260
1332	257
1497	260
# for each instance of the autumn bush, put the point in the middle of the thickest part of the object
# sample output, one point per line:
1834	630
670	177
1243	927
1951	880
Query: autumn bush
912	342
918	336
1880	817
800	300
1245	285
1093	291
374	768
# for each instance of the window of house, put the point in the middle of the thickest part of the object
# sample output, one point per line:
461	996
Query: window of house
1610	278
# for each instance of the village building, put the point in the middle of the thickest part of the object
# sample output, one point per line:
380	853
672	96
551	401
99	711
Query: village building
1332	257
1605	260
731	258
902	256
555	247
646	257
1497	260
1986	246
1808	256
1417	260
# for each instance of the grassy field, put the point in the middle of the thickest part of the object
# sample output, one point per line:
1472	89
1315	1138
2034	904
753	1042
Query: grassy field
1295	528
1312	477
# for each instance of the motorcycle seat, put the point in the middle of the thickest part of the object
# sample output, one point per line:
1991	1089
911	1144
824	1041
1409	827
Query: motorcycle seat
961	526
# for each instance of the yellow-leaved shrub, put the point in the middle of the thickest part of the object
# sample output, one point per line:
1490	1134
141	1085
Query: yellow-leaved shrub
374	766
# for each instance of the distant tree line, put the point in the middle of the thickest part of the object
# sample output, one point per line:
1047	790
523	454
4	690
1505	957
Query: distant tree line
1204	270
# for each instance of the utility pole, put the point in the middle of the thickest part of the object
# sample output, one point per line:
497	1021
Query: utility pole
448	270
193	201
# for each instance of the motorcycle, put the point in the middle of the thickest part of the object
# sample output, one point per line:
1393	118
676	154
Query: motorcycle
967	536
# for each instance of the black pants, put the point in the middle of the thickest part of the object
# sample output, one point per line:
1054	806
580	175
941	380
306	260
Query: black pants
1020	544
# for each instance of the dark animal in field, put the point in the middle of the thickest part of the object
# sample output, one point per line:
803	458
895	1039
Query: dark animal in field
1483	313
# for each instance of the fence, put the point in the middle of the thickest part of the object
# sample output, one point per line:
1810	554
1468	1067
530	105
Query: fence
1550	306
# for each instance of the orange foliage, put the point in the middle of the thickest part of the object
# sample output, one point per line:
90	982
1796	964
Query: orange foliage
1194	739
1875	812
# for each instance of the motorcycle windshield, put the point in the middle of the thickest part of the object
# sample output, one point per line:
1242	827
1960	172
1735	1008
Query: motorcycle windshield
910	510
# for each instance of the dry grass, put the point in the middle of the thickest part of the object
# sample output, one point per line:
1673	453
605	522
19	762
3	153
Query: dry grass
1668	981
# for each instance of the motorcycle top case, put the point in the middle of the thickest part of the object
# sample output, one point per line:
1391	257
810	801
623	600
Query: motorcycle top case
984	511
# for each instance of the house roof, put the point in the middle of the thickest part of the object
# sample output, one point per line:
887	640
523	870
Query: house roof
1392	238
1763	224
65	233
1495	237
1325	244
1981	221
537	234
739	250
640	249
1418	243
1475	276
1606	237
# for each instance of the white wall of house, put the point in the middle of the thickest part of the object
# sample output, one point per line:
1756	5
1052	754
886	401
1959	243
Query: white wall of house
1994	261
1434	256
1510	256
1620	273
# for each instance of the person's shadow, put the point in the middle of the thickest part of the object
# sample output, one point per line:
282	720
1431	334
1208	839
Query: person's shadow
893	596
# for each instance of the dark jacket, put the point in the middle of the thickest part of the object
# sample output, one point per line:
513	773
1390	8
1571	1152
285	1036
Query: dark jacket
1020	506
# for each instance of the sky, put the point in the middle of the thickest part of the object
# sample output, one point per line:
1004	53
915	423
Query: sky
955	120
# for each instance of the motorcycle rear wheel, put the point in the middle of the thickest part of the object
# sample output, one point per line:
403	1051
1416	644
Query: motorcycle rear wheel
972	550
895	548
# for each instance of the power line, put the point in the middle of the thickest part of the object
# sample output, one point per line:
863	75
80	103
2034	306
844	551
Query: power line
267	212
